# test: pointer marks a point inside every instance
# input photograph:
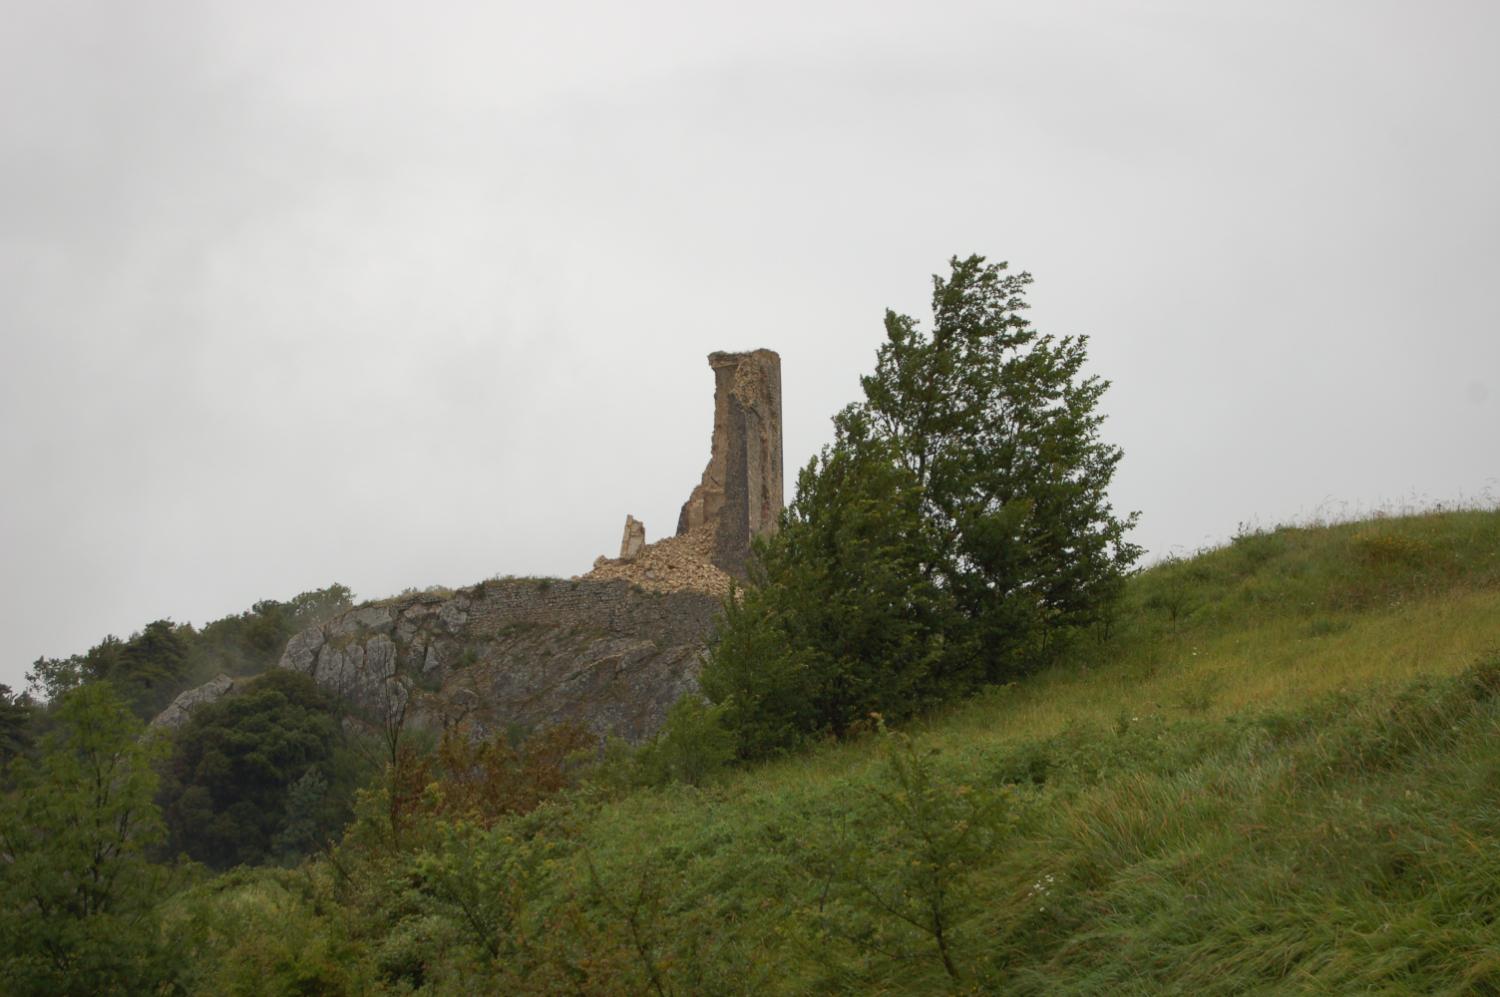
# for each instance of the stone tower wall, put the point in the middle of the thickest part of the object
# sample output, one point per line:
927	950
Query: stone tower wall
741	493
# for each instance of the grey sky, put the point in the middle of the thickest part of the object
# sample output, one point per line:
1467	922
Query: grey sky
400	294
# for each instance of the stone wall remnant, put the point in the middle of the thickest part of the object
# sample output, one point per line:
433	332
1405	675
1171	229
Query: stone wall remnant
633	540
740	494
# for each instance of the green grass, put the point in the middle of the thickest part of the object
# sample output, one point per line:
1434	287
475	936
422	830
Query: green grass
1278	774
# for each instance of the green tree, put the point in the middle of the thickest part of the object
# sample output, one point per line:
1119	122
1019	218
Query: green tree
955	529
49	678
843	622
303	825
77	893
692	746
1000	430
15	723
228	794
151	666
147	670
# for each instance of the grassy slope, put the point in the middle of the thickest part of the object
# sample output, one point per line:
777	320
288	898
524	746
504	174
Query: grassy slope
1187	786
1280	774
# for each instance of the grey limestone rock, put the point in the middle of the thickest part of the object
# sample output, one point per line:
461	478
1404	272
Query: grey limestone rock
453	616
301	652
519	652
177	712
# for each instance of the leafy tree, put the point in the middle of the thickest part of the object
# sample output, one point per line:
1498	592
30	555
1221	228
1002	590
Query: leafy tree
150	667
228	795
844	622
1001	432
49	678
15	722
303	825
147	670
956	528
77	893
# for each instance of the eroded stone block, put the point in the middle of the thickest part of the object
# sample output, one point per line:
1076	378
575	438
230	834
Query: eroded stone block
633	540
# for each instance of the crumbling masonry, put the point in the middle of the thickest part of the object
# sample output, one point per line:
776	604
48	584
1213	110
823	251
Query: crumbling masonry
738	498
740	495
613	649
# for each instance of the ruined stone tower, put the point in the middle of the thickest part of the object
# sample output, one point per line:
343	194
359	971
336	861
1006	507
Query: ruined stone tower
740	495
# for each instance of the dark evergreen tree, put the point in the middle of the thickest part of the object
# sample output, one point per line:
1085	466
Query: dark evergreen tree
228	791
843	623
15	723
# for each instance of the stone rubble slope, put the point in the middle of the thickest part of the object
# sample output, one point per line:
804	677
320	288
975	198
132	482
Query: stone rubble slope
674	564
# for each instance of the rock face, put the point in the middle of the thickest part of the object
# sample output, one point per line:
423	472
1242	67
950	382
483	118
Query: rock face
176	713
515	653
633	540
740	494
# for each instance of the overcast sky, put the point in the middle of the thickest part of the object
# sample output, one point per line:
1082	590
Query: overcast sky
403	294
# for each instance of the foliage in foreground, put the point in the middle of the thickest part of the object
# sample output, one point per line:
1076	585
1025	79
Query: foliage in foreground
77	894
1345	846
1099	828
1122	822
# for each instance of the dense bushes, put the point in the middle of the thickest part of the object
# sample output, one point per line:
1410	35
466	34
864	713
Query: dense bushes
260	775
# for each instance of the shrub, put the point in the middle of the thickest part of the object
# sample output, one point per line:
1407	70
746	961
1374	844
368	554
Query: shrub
691	747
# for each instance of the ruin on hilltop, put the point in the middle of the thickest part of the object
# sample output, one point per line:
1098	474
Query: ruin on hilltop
738	498
611	650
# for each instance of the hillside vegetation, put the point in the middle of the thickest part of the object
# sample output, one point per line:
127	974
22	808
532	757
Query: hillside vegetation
1274	770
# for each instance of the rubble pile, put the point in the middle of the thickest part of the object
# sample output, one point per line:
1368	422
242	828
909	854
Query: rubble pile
675	564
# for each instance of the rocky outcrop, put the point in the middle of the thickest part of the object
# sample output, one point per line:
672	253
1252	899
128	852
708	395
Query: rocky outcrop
515	654
177	712
740	494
